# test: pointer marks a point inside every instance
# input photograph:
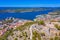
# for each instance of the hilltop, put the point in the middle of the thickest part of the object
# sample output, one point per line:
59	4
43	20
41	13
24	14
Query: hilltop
43	27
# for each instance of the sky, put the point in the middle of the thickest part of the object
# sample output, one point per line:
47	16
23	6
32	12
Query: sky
29	3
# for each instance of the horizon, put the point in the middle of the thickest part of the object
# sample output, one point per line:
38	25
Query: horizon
29	3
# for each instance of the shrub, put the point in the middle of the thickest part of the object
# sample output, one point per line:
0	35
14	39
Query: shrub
51	38
56	38
58	27
41	22
15	39
36	35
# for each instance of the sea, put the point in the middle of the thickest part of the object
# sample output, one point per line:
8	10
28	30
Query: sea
24	15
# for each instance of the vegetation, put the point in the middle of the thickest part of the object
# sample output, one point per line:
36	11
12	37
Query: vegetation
56	38
51	38
36	35
22	27
53	21
42	34
11	34
58	27
15	39
25	35
41	22
4	37
0	28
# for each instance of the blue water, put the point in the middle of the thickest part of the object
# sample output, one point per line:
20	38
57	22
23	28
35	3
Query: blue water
26	15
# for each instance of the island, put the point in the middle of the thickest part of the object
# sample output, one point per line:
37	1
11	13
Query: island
26	9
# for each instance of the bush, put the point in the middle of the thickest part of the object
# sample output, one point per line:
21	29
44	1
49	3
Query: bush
36	35
58	27
42	34
51	38
15	39
41	22
56	38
